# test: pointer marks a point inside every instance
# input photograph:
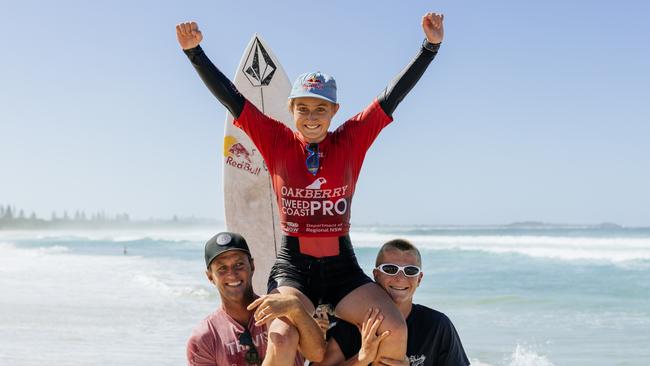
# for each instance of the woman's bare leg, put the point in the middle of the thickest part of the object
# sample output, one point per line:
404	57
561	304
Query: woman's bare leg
354	307
283	336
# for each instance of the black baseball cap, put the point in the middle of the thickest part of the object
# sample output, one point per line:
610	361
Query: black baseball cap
224	242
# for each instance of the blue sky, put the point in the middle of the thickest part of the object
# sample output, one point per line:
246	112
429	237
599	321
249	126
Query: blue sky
532	111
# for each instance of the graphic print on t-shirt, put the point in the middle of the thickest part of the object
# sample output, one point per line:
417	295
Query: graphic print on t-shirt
417	361
236	352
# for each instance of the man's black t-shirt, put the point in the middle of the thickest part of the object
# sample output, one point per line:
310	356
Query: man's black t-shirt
432	339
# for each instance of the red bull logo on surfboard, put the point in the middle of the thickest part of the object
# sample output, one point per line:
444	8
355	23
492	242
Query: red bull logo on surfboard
240	151
238	156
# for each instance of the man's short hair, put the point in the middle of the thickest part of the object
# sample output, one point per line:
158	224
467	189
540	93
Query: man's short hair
402	245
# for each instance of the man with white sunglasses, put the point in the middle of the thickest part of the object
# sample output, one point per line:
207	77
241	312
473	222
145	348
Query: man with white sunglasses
432	338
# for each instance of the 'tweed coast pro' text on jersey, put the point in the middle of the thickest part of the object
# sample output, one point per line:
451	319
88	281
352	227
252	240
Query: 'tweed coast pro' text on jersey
314	205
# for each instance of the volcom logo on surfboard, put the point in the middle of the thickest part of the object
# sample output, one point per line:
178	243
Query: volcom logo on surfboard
259	68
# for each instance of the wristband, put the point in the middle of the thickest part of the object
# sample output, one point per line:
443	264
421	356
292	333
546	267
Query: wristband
433	47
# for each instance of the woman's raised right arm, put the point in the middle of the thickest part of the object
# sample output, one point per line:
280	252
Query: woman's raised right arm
189	37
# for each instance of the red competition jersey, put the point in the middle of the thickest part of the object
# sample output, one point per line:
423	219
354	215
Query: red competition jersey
314	205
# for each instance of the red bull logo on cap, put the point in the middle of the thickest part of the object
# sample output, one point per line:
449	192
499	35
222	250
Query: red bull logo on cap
238	156
313	82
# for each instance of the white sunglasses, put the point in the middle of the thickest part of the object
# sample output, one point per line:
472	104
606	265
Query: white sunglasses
393	269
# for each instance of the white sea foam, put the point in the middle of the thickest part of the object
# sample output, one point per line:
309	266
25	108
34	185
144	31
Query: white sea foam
111	307
154	283
64	274
59	265
53	249
193	235
619	249
477	362
615	249
520	356
198	234
524	356
52	297
9	246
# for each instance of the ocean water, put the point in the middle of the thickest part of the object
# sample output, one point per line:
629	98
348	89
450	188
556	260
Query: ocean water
518	296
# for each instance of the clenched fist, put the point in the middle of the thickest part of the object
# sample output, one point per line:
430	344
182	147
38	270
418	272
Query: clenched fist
188	35
432	27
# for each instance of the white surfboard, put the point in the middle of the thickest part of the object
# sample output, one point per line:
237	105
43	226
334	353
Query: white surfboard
250	204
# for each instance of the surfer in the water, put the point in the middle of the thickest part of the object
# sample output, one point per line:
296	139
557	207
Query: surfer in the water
314	173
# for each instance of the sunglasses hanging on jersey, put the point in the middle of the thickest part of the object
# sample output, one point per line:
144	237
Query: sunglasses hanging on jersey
252	357
312	158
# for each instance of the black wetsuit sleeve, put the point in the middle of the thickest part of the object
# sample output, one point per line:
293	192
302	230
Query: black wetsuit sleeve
406	80
220	86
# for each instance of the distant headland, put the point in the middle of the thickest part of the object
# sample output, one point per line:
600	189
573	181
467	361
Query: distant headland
16	219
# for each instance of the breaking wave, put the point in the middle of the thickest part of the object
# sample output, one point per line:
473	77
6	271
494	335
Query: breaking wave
613	249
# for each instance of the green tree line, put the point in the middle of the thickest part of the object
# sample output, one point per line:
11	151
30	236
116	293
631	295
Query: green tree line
12	218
